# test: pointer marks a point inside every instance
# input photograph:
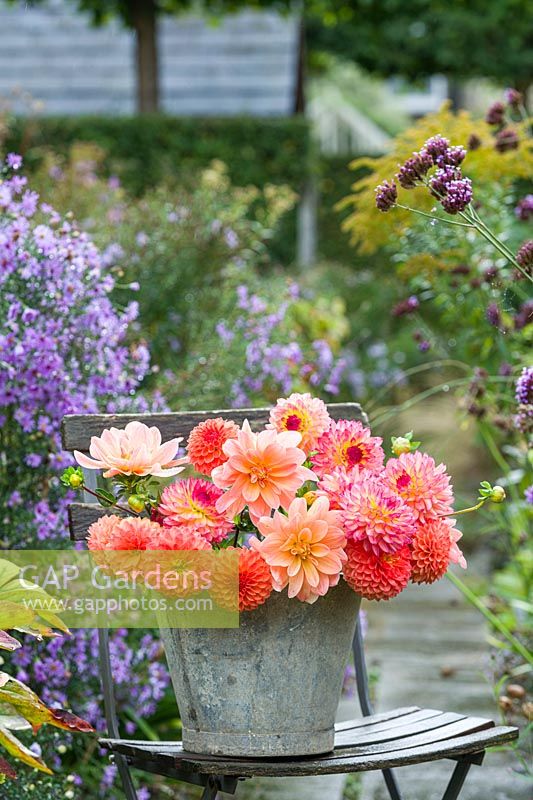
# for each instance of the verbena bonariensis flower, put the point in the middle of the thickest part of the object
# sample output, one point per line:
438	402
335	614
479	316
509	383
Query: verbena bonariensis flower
406	306
386	195
414	169
495	114
136	450
263	471
524	208
437	146
524	256
303	413
513	98
506	139
303	549
192	503
458	195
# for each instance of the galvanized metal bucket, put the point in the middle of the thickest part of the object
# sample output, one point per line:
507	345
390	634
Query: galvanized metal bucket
270	687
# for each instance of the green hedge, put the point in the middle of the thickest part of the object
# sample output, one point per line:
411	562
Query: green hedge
145	150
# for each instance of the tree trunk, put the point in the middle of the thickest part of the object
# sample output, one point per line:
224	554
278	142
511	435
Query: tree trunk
299	98
144	21
456	93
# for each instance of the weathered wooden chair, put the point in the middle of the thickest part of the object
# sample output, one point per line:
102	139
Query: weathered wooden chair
382	741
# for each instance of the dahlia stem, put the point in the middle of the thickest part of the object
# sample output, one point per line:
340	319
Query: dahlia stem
472	598
114	505
466	510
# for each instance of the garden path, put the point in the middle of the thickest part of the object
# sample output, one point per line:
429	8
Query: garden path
429	648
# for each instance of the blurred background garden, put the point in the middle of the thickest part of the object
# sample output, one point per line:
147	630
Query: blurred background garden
210	170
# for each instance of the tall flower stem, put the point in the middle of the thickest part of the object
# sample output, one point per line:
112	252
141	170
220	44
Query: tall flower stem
495	621
434	217
129	511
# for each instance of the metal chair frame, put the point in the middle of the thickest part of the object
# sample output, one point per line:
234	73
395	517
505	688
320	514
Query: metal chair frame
216	783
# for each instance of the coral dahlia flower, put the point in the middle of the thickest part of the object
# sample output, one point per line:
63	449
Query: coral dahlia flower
303	549
177	538
255	581
456	554
204	446
101	532
430	551
376	576
193	503
263	471
303	413
377	517
136	450
348	444
133	533
424	486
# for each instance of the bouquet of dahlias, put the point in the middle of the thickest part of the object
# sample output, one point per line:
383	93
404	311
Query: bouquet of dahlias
305	501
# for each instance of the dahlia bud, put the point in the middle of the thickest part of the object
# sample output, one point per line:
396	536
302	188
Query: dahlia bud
136	503
310	498
498	494
75	481
404	444
72	478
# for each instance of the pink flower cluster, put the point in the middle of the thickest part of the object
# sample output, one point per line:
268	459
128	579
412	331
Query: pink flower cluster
309	496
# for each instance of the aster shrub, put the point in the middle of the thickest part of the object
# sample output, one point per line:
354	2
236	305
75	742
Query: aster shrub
305	500
65	347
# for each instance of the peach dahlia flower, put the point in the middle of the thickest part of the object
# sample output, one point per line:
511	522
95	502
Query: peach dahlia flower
136	450
303	413
304	549
263	471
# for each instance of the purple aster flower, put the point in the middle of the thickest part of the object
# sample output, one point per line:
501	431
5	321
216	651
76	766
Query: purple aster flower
524	387
506	139
524	208
386	195
14	161
528	494
424	346
495	114
458	196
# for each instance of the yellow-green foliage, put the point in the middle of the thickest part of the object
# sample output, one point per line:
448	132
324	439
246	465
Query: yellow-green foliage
371	229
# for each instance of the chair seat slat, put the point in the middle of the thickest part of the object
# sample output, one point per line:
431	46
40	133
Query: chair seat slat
385	733
77	429
172	755
365	722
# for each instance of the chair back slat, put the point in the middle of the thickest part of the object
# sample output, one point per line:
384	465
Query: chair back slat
77	430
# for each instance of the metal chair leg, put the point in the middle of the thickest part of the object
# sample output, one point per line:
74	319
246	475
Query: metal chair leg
211	789
361	678
457	780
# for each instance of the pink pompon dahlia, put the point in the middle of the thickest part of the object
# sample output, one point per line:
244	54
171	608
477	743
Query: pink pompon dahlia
303	413
204	445
348	444
263	471
334	485
376	576
303	549
101	532
421	484
177	538
430	551
136	450
377	517
456	554
193	503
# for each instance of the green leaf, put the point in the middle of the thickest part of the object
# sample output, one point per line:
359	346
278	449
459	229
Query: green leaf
105	498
